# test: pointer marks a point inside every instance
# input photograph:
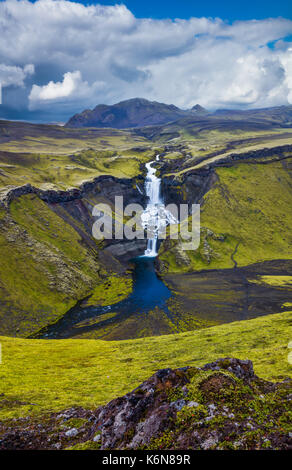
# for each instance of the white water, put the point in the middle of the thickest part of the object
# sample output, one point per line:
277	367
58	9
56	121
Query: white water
155	217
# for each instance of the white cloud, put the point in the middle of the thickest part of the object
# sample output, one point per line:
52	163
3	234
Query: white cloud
85	55
286	60
53	91
72	87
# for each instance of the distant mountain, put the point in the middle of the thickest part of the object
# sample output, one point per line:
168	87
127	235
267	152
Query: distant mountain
139	112
277	114
136	112
197	109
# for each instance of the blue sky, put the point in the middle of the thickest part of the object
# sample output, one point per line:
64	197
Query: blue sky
228	10
67	56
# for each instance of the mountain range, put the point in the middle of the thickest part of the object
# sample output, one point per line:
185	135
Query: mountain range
139	112
136	112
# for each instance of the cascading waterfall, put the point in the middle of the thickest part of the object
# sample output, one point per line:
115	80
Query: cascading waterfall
148	292
155	217
153	193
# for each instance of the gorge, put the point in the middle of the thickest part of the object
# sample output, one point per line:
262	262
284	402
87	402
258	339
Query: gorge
148	291
174	301
119	289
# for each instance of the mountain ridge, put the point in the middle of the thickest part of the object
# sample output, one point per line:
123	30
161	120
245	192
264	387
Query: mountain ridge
135	112
139	112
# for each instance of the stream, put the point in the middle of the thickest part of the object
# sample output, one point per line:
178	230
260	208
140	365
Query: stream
148	290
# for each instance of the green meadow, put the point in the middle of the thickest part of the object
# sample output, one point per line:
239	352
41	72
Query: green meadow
38	376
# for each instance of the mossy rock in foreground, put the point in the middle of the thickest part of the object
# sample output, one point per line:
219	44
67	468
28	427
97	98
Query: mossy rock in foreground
222	405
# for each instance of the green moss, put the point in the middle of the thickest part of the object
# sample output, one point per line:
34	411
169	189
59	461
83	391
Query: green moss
187	415
88	445
278	281
40	375
45	268
244	415
165	441
74	423
285	421
174	394
226	445
111	291
65	158
250	206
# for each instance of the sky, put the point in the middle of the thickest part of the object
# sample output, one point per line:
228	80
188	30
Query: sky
59	57
228	10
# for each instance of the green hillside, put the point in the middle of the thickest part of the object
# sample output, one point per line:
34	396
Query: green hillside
245	218
48	263
41	375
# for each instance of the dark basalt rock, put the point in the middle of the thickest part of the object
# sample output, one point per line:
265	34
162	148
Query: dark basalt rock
195	183
241	369
125	250
108	186
222	405
189	191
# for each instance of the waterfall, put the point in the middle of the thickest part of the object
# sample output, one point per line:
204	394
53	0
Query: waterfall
155	217
152	187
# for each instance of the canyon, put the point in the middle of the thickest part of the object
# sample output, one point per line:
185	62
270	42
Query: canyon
120	315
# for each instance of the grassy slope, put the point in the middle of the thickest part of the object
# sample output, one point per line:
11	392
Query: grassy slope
45	267
63	171
225	144
250	206
64	157
41	375
17	136
43	155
